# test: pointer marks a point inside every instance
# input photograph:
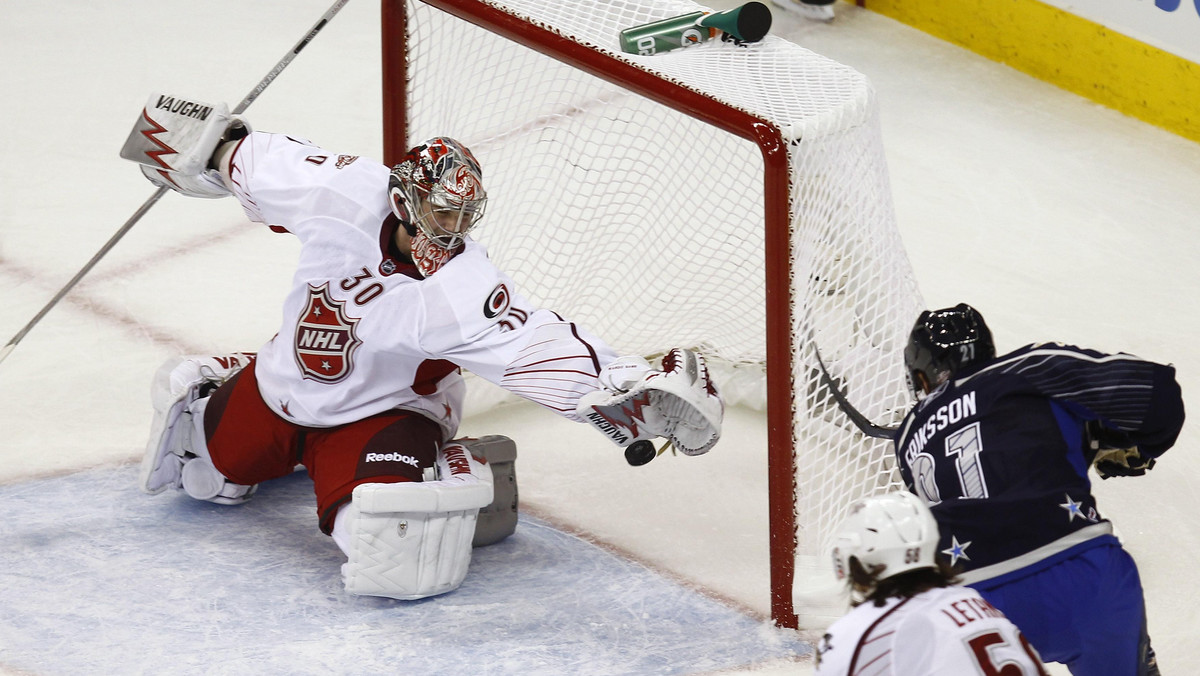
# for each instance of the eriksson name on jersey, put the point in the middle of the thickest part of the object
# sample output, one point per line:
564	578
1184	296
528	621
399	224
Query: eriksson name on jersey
943	417
182	107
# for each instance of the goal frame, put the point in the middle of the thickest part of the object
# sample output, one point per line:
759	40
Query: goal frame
781	468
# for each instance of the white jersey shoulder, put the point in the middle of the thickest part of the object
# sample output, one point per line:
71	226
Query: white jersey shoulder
467	297
473	315
289	183
940	632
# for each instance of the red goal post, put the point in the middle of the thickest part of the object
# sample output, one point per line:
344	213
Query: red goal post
441	62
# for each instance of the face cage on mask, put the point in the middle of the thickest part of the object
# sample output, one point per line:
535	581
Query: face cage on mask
463	214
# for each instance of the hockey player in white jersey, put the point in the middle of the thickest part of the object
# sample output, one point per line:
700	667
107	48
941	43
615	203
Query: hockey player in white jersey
362	384
909	618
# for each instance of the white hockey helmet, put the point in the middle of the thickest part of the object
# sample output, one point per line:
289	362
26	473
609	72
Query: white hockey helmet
895	530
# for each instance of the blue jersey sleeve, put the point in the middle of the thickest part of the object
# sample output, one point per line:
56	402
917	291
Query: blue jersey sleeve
1137	398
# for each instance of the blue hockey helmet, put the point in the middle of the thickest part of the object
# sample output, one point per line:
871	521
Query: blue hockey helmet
942	342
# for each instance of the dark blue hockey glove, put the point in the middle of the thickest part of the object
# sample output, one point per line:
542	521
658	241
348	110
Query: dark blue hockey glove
1112	462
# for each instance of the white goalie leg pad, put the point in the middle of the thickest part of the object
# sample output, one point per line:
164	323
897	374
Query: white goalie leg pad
179	383
679	402
413	540
198	477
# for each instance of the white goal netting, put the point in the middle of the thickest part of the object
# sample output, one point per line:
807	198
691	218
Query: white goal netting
651	227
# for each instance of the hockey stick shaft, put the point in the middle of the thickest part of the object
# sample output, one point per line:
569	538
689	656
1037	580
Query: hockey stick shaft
860	421
112	241
137	215
289	57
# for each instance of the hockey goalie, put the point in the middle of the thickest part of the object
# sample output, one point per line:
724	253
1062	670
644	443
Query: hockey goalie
390	300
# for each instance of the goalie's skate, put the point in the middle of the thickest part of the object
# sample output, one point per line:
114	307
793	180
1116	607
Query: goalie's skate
498	519
178	383
679	402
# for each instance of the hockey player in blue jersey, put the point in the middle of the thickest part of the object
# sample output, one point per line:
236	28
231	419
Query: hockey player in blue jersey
1000	448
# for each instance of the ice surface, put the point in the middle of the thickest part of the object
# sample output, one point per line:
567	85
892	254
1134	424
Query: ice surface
99	579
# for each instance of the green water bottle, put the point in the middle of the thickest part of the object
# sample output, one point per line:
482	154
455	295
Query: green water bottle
665	35
748	23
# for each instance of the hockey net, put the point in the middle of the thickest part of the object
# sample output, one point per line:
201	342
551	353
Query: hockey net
730	198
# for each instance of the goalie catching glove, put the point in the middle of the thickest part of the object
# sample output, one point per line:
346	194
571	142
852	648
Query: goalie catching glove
639	402
174	141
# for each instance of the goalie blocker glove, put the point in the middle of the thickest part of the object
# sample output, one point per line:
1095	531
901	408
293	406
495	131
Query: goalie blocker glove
207	184
639	403
174	140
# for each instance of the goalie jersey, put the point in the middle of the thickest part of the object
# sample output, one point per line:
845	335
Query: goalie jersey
363	332
999	451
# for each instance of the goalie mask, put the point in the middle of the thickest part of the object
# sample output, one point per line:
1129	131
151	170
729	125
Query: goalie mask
941	343
896	531
438	190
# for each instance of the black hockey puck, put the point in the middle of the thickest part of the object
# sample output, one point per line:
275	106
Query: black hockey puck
639	453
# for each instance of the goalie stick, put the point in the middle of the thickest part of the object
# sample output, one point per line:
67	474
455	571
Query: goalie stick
860	421
141	211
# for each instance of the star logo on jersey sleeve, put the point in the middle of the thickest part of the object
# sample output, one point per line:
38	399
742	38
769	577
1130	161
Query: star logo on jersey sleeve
958	550
1074	509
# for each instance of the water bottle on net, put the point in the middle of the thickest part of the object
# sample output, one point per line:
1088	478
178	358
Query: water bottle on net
748	23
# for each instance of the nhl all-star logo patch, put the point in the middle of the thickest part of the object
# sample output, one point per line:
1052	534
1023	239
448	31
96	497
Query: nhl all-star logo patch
325	338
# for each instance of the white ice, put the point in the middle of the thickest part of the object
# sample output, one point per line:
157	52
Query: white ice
1058	218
